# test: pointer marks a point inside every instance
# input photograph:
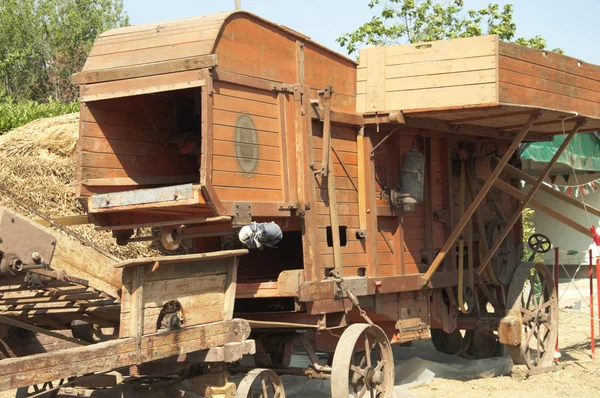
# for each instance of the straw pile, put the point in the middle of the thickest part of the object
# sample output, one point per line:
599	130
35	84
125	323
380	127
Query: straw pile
38	163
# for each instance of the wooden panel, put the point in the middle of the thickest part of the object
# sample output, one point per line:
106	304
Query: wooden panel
442	97
250	47
149	55
160	40
142	85
265	184
435	74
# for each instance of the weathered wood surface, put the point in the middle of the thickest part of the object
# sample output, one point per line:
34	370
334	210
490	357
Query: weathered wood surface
102	357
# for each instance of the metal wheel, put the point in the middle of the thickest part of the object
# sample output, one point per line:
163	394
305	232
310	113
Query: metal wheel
448	343
539	243
532	293
260	383
363	363
504	260
38	390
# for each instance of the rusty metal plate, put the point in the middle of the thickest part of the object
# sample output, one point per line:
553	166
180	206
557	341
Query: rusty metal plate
246	145
21	238
143	196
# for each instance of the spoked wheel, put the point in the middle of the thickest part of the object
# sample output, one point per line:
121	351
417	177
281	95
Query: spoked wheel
532	293
448	343
50	388
260	383
363	363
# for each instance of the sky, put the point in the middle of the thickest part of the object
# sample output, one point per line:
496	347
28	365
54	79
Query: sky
570	25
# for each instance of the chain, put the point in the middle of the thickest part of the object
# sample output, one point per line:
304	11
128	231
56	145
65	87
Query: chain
354	300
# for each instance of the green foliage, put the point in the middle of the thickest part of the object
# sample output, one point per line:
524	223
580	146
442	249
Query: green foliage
43	42
414	21
15	114
528	224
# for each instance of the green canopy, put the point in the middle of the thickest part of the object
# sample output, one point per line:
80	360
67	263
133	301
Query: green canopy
583	152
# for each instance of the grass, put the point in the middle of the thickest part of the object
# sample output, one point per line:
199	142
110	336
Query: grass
16	114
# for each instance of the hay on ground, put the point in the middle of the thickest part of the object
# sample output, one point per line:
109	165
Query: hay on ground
38	163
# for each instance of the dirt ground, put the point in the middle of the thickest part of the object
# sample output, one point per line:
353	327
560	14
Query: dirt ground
579	378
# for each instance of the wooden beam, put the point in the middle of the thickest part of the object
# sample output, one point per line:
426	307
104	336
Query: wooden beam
470	129
509	189
110	355
336	117
187	221
529	196
514	172
157	68
479	198
36	329
68	220
128	181
181	259
362	183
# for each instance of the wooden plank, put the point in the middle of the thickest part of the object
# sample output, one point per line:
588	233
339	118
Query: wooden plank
457	80
182	259
100	145
150	55
442	96
142	85
158	31
229	118
230	164
548	72
550	59
227	193
376	81
441	50
265	138
117	118
67	220
241	91
158	42
440	67
246	106
106	356
124	133
227	148
157	68
237	179
129	162
130	181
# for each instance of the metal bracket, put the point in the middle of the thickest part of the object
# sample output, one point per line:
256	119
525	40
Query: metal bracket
289	206
243	213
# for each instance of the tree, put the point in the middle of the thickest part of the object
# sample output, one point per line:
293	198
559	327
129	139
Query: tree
43	42
414	21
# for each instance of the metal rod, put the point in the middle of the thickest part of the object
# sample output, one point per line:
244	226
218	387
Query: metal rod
183	236
592	334
238	5
36	329
529	197
191	221
598	284
556	265
480	196
344	167
384	140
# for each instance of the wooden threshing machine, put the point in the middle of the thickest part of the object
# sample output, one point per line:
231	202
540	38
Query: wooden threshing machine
396	183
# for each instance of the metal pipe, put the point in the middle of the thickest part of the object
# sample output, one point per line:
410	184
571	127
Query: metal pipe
238	5
592	334
556	265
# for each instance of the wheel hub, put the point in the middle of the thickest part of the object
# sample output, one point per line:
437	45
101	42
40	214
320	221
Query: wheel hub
373	377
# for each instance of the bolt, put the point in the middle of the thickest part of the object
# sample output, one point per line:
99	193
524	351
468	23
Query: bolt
12	219
35	256
175	195
236	331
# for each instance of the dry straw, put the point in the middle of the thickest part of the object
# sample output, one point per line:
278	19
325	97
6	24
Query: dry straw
38	163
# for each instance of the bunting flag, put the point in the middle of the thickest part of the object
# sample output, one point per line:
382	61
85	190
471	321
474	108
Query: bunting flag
584	189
